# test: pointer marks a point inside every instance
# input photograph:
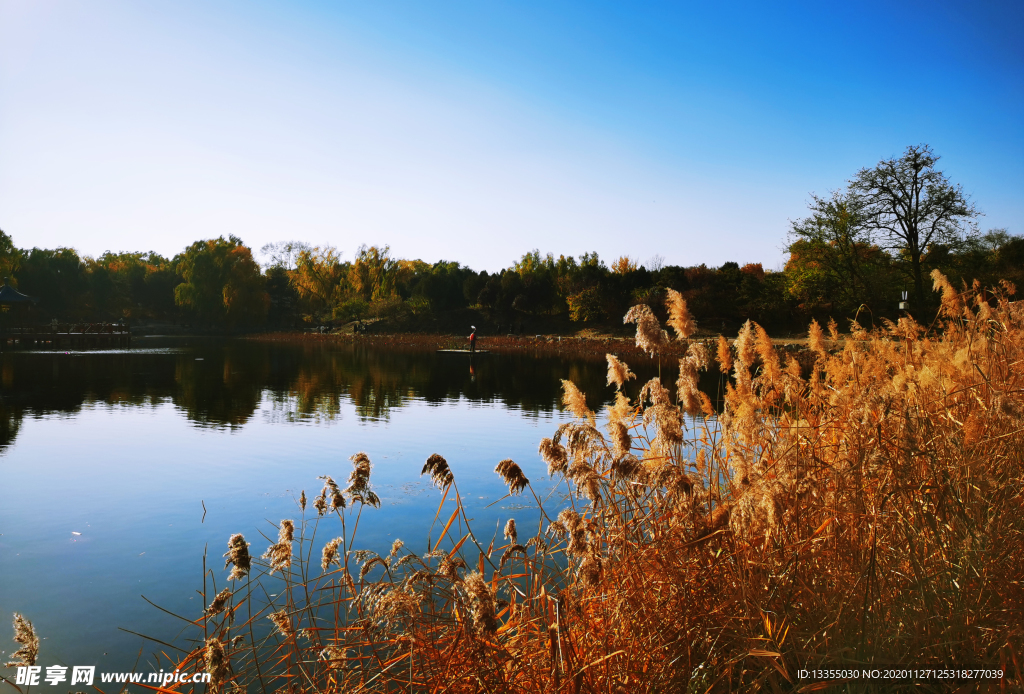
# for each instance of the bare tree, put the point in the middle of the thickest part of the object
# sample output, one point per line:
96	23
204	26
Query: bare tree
655	262
284	254
915	208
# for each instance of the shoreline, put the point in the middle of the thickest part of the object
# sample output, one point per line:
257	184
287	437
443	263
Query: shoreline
592	345
544	344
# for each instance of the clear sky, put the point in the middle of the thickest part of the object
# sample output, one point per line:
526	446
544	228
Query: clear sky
477	131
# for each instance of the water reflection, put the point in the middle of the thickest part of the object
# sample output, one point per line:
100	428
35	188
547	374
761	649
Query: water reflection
221	384
170	448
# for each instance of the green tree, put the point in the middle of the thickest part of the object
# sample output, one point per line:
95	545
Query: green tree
58	279
283	297
9	256
835	235
832	263
586	305
990	257
913	207
443	284
222	283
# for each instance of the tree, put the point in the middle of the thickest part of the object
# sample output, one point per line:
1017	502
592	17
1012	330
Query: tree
624	265
586	305
58	279
283	296
992	256
222	283
837	228
832	261
132	285
320	278
914	207
375	274
284	254
9	256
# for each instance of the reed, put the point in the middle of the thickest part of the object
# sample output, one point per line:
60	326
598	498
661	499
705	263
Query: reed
865	508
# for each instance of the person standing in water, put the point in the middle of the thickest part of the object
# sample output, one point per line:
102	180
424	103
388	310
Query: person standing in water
472	339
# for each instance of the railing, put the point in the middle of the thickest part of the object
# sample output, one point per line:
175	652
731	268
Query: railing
66	335
69	329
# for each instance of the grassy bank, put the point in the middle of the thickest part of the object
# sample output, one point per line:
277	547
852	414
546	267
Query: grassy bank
585	345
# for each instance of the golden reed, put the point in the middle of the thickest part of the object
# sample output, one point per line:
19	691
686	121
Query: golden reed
864	505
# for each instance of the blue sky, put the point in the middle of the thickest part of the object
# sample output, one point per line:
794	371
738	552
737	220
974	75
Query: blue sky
477	131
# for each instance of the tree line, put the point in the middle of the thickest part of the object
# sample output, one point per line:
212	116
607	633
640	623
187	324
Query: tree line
854	254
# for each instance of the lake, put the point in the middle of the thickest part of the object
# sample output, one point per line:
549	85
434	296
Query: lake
108	460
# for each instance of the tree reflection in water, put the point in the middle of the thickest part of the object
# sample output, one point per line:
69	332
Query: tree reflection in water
223	383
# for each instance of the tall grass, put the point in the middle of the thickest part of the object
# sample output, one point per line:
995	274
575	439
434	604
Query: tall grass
865	510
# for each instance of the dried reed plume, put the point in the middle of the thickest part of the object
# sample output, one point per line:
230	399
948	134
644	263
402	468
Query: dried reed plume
238	555
283	622
396	547
770	368
679	315
724	355
510	533
687	390
330	491
217	662
833	330
280	553
360	475
576	402
302	500
554	454
649	335
512	475
374	561
359	481
816	339
626	467
320	502
448	567
330	554
512	550
219	603
952	306
26	636
745	348
618	372
621	440
481	604
437	467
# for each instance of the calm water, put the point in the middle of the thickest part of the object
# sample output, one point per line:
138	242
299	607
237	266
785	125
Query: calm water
107	459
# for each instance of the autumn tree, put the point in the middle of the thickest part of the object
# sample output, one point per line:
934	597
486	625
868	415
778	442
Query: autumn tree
624	265
914	209
320	278
222	283
375	274
132	285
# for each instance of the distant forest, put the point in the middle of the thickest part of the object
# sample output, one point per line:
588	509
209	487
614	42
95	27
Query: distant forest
854	254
